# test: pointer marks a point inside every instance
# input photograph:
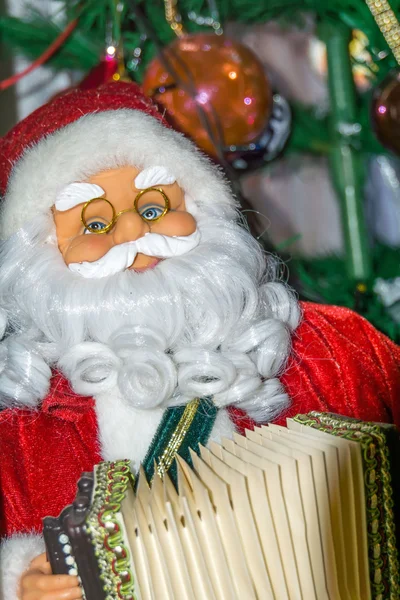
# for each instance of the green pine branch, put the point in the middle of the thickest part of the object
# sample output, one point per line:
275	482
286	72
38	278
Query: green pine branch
31	38
94	15
324	280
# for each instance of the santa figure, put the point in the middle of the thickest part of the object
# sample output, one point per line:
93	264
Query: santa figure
133	299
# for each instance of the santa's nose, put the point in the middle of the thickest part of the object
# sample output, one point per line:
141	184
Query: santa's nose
129	227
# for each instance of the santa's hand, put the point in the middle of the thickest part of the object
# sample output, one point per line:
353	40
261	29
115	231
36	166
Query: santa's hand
38	583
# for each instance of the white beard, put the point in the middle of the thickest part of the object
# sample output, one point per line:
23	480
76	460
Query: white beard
210	323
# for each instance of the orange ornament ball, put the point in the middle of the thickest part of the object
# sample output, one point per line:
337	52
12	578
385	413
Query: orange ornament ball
216	75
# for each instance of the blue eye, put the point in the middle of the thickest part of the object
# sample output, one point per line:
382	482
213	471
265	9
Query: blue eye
151	212
95	226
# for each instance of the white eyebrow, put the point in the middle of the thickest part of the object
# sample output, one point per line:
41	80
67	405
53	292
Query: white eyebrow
151	176
77	193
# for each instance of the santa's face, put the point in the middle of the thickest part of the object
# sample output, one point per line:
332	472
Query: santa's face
120	221
199	324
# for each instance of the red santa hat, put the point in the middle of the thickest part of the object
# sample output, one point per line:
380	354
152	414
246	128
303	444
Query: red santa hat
83	132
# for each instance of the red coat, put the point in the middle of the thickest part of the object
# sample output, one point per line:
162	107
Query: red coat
339	363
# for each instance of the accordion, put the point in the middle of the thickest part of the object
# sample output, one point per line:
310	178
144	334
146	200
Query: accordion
303	512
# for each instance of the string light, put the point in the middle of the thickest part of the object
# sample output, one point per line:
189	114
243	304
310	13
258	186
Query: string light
133	63
174	18
388	24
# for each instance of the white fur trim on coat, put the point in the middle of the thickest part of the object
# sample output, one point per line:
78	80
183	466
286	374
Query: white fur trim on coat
127	432
16	553
107	140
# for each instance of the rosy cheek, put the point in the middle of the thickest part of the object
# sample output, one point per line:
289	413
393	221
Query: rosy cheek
87	248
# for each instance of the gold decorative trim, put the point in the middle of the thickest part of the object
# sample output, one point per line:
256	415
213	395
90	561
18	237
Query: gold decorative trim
104	526
385	578
388	24
175	442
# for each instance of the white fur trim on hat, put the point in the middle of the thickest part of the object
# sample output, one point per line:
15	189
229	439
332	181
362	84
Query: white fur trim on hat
16	552
108	140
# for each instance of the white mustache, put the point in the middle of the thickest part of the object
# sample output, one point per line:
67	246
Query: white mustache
122	256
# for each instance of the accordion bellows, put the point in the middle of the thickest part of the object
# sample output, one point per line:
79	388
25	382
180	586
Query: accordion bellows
298	513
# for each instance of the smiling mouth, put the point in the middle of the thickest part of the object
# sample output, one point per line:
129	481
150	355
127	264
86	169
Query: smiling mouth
151	265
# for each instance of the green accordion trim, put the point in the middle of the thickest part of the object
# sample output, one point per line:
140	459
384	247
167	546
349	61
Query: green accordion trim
383	555
181	428
106	531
